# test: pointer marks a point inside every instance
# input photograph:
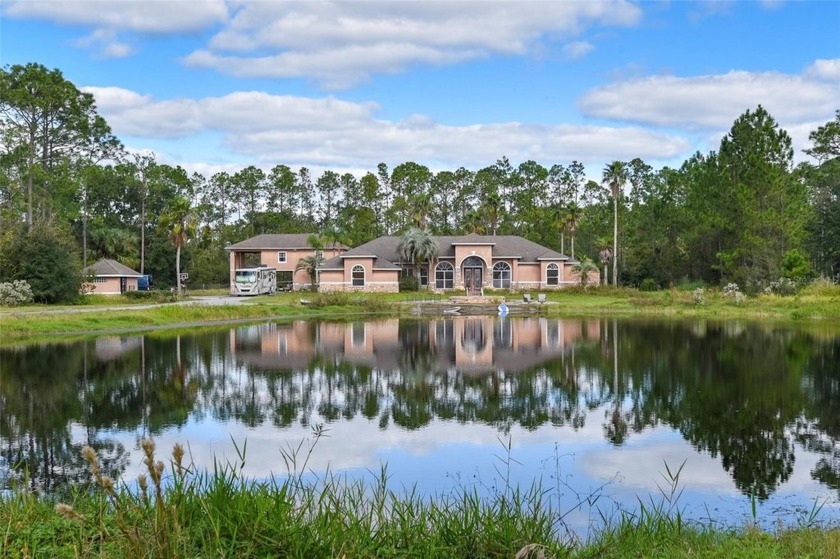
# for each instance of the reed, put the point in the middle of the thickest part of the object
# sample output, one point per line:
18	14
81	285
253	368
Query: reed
179	511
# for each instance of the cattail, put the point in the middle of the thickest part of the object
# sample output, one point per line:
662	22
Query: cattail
90	456
178	455
68	512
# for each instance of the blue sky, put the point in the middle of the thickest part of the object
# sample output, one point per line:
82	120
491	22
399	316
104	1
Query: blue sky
216	85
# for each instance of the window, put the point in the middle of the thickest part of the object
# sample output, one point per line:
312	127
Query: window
501	275
444	276
358	275
281	256
424	276
552	274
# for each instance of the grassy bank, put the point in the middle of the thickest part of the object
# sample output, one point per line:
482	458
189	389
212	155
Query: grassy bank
122	314
180	512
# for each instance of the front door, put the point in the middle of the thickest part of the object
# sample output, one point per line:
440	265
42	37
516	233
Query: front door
472	280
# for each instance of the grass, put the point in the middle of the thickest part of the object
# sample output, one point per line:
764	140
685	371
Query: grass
815	303
182	512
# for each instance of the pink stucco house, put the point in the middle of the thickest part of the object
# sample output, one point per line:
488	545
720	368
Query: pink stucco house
282	252
470	262
109	277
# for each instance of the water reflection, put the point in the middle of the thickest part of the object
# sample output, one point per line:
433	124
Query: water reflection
746	399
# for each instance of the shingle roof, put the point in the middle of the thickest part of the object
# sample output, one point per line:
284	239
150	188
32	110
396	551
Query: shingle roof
504	246
110	268
268	241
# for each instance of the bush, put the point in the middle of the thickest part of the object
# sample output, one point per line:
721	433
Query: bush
15	293
44	257
409	283
822	287
733	292
648	284
690	286
699	296
782	286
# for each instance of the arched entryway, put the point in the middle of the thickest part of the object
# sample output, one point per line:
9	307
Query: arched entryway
472	272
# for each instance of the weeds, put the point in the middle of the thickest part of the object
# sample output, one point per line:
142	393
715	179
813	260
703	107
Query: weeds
180	512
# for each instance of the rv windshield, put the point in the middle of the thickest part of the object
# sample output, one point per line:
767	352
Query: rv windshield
246	277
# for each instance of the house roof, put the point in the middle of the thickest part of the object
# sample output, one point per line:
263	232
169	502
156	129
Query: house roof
110	268
269	241
384	249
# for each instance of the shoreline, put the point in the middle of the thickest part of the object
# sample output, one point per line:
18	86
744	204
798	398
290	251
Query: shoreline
35	324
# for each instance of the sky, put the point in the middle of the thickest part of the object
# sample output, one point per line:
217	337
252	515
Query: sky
217	85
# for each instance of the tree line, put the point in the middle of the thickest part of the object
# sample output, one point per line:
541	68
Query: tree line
70	194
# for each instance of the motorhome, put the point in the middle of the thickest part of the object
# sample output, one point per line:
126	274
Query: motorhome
258	280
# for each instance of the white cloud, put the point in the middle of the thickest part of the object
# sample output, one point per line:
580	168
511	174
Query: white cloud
577	49
146	16
825	69
713	101
271	129
341	43
107	43
338	43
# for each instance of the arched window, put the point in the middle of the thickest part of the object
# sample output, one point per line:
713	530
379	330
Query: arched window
444	276
552	274
358	275
472	262
501	275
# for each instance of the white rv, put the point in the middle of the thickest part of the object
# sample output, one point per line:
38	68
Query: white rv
259	280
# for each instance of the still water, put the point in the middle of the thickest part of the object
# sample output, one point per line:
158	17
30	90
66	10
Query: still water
595	411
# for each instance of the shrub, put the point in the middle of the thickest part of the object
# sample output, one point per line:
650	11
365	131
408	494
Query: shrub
699	296
686	285
15	293
733	292
45	258
409	283
822	287
648	284
782	286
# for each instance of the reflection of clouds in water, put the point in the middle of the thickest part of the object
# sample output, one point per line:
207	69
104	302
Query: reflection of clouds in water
358	443
444	456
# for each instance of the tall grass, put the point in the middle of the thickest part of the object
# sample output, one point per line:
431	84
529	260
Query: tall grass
180	511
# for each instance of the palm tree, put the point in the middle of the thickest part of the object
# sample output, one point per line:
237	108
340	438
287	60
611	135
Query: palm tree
572	216
605	255
584	268
180	225
417	246
311	264
615	175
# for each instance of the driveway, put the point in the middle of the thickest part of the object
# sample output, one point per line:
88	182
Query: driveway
209	300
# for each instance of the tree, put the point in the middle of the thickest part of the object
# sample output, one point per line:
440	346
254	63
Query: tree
763	209
573	212
823	181
311	264
417	246
584	268
615	175
605	254
180	225
51	124
45	257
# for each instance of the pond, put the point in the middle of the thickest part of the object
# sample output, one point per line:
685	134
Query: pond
597	412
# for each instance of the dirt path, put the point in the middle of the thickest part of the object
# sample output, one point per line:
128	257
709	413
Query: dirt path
209	300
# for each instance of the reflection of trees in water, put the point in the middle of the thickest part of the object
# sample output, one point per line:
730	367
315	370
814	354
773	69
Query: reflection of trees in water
731	392
744	393
45	390
820	430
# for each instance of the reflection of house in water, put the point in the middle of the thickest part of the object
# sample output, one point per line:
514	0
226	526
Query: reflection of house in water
109	348
469	344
